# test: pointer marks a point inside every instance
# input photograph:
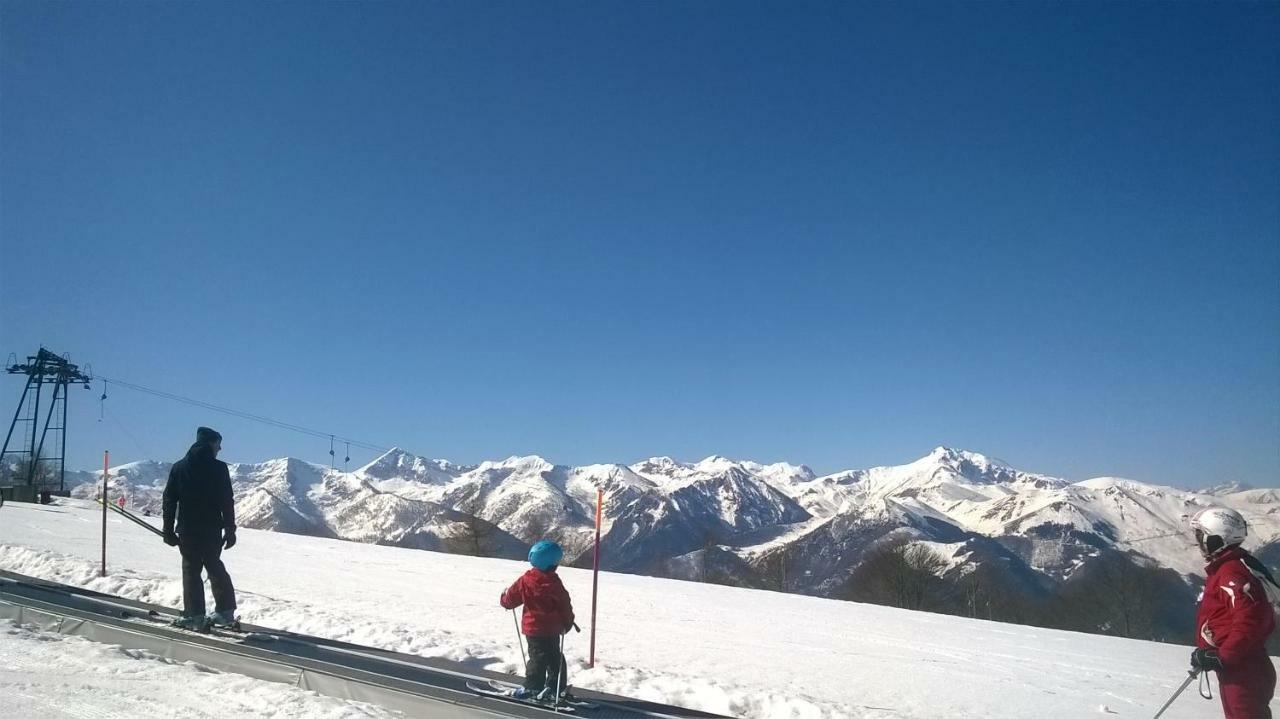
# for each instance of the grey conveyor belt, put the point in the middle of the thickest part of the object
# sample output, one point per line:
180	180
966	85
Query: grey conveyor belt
415	686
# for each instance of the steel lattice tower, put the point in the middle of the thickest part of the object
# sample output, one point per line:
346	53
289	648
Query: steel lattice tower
45	368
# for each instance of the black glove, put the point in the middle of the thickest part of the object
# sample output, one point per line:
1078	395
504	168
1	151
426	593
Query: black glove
1206	660
229	539
170	537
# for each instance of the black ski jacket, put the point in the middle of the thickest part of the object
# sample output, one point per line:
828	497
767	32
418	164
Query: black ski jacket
198	494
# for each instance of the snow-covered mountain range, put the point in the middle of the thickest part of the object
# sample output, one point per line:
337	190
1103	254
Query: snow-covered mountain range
746	519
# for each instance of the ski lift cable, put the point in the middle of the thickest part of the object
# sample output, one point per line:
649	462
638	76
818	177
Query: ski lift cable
1165	535
130	435
245	415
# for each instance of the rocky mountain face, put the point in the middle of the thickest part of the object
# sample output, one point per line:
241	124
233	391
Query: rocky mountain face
777	526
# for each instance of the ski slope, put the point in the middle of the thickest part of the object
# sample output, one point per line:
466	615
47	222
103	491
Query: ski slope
749	653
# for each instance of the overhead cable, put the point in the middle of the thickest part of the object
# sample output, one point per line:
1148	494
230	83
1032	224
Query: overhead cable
245	415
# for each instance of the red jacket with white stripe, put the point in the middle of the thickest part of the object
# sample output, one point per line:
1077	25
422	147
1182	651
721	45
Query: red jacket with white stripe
1235	615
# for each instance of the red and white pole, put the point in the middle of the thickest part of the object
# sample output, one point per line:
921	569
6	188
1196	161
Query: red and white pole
106	468
595	579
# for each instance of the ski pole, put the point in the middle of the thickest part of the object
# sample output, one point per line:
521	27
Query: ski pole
560	672
520	639
1191	676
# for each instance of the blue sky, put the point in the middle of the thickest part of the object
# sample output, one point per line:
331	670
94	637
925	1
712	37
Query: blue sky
831	233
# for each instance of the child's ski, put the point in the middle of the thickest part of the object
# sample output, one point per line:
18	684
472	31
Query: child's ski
503	690
571	701
490	690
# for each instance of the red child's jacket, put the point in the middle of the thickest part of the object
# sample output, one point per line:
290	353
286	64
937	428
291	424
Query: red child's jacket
1235	615
547	609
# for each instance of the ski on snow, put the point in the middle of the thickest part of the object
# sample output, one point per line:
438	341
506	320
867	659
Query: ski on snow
502	690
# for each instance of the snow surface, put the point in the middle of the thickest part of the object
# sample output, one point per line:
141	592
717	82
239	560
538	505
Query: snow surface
52	676
749	653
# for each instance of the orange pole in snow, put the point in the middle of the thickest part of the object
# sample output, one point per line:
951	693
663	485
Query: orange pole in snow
106	468
595	579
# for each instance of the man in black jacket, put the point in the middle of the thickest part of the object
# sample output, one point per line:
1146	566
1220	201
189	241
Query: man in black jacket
198	495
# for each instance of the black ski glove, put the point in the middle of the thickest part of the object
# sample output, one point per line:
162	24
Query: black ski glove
229	539
170	537
1206	660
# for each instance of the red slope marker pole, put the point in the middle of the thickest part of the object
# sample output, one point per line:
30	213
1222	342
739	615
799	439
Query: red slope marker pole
106	465
595	580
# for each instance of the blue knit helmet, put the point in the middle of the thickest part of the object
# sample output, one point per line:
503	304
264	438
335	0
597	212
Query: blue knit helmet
545	554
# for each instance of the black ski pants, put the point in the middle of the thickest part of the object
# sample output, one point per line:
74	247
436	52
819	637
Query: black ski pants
202	551
546	665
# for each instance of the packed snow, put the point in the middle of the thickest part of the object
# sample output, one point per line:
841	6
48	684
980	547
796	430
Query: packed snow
748	653
51	676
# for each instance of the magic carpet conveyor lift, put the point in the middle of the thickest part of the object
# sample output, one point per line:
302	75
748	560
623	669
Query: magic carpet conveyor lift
415	686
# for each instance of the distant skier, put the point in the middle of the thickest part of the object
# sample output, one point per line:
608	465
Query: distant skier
1235	616
199	494
548	614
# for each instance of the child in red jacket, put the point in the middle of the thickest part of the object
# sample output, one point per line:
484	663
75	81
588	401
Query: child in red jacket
548	614
1235	616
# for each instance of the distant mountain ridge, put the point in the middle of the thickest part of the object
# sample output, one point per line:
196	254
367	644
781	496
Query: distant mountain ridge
743	519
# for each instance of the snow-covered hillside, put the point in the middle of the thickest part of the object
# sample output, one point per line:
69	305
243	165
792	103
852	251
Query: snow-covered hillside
750	653
662	516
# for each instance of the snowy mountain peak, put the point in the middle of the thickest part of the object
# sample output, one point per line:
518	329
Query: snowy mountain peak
531	463
782	475
141	467
1225	488
956	458
660	466
394	457
610	476
1105	483
399	464
283	465
943	452
143	472
947	465
716	463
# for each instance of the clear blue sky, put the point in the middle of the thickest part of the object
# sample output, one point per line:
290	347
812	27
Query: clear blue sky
831	233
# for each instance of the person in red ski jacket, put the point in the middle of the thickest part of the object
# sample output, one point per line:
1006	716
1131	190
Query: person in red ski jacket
548	614
1235	616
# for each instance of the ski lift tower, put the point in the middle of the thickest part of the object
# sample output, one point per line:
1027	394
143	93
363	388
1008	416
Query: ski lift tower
28	465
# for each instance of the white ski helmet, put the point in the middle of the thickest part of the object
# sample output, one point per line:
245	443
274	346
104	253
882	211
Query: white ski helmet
1217	528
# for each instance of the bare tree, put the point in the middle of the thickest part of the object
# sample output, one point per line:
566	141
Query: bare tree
17	473
974	595
473	538
710	541
773	571
1120	595
899	575
920	567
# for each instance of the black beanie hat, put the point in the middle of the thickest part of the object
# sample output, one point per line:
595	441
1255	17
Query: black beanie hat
205	435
